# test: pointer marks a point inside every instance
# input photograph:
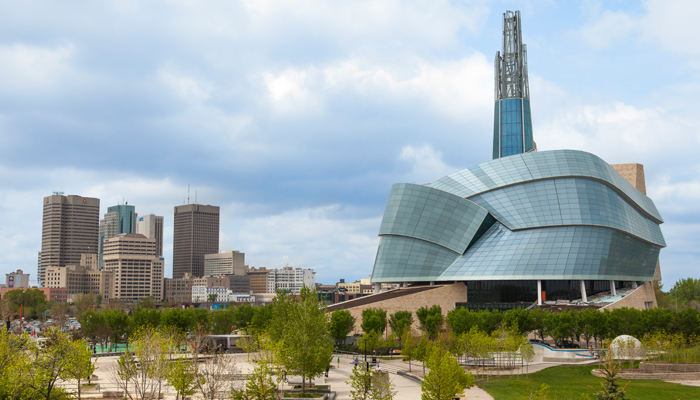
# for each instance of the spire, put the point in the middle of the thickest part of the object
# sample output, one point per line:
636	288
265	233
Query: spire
512	121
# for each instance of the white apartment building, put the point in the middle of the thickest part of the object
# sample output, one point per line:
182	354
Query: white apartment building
151	226
290	279
201	294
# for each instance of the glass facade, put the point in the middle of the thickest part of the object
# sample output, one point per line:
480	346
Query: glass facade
514	127
555	216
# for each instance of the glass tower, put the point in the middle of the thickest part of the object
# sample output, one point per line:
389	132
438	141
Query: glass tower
119	219
512	128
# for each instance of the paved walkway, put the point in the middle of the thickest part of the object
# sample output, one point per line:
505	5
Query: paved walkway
407	389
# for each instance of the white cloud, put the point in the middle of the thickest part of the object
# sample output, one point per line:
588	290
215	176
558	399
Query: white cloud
427	164
30	68
187	88
321	238
610	27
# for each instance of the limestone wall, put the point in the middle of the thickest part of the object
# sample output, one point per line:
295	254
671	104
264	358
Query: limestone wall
445	296
636	299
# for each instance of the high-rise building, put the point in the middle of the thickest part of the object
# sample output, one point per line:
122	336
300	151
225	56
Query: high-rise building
228	263
138	271
70	228
118	219
196	233
290	279
151	226
512	131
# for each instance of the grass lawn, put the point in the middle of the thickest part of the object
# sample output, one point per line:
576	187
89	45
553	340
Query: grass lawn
570	382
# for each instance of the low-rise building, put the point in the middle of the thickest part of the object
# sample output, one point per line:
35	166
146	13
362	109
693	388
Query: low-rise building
290	279
258	279
228	263
78	280
178	290
17	279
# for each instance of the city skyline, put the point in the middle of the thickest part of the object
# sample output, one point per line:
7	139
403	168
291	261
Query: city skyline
296	120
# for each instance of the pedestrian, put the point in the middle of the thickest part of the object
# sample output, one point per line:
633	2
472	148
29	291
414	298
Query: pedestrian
327	368
338	362
356	362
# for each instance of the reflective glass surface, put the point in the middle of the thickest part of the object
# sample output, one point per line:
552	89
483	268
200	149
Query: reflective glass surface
402	258
540	166
569	201
433	215
569	252
511	127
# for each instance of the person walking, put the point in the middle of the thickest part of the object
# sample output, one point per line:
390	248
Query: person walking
356	362
338	362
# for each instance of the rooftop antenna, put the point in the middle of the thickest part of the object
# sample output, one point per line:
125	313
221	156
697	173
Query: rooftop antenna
188	193
195	196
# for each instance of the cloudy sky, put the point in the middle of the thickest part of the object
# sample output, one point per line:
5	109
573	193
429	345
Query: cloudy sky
295	117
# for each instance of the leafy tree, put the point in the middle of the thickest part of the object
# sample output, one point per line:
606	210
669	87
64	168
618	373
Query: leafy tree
243	316
446	378
212	297
81	365
520	318
177	318
118	323
369	342
182	376
342	323
146	317
408	352
430	320
305	348
373	320
45	367
259	385
540	323
461	320
400	322
685	290
11	365
223	321
261	319
662	299
365	384
33	301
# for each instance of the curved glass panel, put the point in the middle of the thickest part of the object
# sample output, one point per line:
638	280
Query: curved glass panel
405	259
541	165
433	215
568	252
568	201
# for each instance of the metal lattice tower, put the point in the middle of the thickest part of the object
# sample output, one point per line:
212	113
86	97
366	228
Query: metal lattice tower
512	122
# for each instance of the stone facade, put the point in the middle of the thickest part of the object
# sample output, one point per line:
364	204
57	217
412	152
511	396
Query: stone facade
641	298
443	295
633	173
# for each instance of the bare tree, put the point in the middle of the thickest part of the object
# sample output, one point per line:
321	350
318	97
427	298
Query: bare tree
217	374
5	311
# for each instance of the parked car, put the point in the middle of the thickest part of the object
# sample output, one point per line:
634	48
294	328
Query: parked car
567	344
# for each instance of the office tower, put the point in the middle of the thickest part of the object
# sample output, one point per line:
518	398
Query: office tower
118	219
229	263
512	130
138	271
151	226
70	228
196	233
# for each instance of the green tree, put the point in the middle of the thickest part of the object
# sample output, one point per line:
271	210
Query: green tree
361	383
446	379
45	367
182	376
400	322
685	290
212	297
261	319
178	318
461	320
373	320
223	321
32	302
520	318
662	299
540	323
86	302
369	342
11	365
342	323
258	386
409	348
430	320
81	366
306	347
119	325
146	316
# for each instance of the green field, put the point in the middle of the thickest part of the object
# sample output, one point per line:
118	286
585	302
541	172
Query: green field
570	383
